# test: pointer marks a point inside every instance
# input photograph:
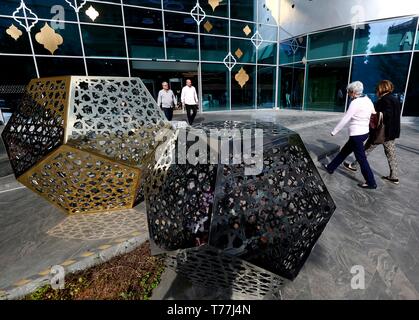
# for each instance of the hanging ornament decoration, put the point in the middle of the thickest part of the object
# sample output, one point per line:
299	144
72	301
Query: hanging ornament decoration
197	13
25	17
208	26
214	3
257	39
242	77
239	53
230	61
76	5
49	38
92	13
14	32
247	30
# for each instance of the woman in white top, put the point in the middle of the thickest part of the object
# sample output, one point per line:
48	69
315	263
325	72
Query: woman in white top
358	117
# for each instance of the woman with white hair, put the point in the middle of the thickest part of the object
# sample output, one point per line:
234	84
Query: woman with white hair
358	117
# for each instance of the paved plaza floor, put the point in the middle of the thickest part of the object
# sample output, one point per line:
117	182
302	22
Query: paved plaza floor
378	230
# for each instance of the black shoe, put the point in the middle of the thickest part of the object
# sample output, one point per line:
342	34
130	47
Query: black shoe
393	181
349	167
327	169
367	186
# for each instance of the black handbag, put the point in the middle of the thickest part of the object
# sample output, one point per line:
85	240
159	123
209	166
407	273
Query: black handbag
378	134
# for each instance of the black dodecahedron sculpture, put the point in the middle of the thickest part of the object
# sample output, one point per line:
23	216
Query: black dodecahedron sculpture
271	220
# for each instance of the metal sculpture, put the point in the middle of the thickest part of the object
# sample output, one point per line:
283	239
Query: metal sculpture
271	220
81	142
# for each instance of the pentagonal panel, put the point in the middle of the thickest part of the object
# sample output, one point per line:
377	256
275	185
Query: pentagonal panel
78	181
37	126
276	217
114	117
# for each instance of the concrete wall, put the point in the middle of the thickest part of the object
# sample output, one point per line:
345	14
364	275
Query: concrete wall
308	16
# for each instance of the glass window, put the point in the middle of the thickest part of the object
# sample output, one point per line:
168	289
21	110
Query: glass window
385	36
214	26
179	5
144	18
243	10
107	67
372	69
103	41
268	33
106	13
45	9
220	8
243	82
411	106
242	29
10	45
243	50
417	40
51	67
330	44
180	22
71	45
326	85
292	86
292	50
181	46
213	48
16	70
144	3
145	43
267	53
215	87
266	87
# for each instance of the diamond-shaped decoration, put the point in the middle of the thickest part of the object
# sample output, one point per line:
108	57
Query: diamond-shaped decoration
76	4
14	32
230	61
242	77
247	30
208	26
198	14
49	38
22	15
294	45
239	53
257	39
92	13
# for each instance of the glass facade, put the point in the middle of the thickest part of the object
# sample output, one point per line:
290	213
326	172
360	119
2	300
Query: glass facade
234	50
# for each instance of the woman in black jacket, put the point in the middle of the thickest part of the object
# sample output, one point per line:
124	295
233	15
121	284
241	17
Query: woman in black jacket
390	106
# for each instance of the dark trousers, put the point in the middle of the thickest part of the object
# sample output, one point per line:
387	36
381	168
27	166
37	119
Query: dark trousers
355	145
168	113
191	111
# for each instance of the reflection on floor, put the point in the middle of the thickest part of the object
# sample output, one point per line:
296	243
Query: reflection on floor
99	226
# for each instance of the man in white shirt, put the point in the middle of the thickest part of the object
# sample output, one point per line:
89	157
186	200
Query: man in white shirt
166	100
190	101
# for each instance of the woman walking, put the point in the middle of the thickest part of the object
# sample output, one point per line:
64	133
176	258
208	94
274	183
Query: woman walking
358	117
391	109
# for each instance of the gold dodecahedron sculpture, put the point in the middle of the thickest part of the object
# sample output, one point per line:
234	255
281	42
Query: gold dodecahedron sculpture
82	142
